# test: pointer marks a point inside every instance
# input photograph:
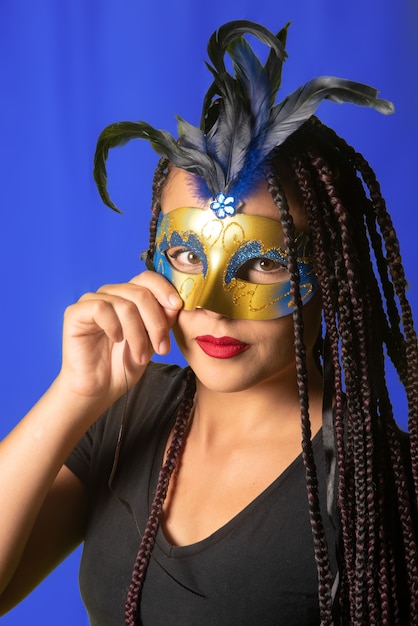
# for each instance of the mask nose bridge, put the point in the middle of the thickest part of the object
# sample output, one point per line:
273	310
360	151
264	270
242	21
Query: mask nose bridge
212	295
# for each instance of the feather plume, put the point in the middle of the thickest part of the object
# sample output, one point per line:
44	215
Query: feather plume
240	123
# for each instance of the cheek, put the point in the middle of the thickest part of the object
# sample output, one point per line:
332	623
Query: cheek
278	338
179	329
279	333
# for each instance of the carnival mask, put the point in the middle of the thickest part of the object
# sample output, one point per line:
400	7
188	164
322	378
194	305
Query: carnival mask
235	266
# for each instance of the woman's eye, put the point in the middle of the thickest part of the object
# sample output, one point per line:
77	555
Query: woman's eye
184	260
263	270
266	265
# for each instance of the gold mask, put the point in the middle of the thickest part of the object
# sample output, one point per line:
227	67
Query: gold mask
211	262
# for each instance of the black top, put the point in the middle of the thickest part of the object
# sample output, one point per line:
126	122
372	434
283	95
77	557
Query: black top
258	568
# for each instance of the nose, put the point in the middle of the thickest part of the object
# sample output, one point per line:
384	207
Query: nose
212	314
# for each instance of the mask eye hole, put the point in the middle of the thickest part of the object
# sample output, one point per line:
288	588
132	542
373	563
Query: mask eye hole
184	260
263	271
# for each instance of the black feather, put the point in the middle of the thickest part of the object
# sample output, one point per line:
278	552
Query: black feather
240	123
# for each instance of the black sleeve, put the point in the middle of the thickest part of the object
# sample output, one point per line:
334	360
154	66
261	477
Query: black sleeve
159	389
79	460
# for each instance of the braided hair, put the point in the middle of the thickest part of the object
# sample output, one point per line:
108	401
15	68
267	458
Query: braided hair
366	317
150	532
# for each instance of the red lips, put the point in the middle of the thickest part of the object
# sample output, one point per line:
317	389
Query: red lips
221	347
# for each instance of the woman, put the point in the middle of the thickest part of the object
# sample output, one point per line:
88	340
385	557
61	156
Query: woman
260	262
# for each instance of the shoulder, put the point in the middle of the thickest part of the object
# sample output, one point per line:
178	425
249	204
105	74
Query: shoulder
160	387
139	417
157	393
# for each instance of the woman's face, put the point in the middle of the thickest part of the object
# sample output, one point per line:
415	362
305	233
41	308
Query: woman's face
229	354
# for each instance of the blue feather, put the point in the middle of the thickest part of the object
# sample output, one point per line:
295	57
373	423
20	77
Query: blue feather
240	124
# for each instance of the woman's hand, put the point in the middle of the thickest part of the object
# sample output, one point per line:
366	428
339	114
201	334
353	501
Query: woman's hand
114	332
107	335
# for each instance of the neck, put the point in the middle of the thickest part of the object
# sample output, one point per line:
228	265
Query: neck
271	408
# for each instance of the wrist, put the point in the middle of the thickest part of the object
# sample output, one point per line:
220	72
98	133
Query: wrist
79	410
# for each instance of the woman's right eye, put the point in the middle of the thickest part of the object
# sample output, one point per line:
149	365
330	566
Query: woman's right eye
184	260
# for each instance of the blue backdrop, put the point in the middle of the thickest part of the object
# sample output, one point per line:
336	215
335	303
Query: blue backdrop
71	67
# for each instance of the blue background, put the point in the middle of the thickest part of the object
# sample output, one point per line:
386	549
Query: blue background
69	68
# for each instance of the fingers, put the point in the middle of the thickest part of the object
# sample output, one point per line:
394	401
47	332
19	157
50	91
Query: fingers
140	312
91	315
163	290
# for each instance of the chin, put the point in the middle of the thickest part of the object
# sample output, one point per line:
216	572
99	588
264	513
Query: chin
224	386
229	375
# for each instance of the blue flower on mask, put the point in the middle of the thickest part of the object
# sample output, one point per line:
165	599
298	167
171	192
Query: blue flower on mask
223	205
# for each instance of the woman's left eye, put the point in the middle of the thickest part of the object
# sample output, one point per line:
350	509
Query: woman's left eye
262	270
266	265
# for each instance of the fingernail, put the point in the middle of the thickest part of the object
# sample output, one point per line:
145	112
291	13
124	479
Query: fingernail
144	358
163	347
174	300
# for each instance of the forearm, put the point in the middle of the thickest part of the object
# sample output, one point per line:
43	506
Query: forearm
30	458
108	339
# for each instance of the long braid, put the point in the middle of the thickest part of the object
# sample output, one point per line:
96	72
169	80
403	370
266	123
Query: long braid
351	328
159	180
150	532
320	231
320	543
183	416
356	327
409	371
409	362
372	445
399	281
360	454
405	357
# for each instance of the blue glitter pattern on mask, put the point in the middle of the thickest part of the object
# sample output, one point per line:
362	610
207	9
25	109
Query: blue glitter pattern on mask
251	250
192	243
